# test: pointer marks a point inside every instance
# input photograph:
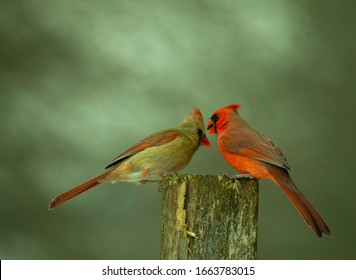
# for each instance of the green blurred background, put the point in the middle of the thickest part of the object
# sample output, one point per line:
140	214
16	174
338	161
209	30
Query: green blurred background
81	81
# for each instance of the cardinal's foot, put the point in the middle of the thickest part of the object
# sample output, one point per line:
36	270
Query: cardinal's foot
237	176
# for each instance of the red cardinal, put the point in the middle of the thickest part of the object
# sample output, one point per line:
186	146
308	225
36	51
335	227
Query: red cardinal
251	152
164	152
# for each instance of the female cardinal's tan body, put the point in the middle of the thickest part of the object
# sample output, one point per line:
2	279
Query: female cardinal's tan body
251	152
164	152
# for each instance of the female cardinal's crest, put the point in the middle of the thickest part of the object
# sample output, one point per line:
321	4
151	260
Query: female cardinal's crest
195	115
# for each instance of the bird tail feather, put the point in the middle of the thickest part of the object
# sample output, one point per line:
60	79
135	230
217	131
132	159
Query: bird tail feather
59	200
304	207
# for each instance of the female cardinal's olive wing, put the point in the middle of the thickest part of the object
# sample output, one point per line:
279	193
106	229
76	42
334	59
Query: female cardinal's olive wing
239	140
156	139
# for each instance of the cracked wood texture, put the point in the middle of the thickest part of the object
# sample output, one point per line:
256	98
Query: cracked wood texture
207	217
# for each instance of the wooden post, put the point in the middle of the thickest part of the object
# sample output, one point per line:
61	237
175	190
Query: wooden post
208	217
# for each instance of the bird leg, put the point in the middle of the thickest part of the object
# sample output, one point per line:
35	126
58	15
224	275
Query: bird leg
237	176
160	181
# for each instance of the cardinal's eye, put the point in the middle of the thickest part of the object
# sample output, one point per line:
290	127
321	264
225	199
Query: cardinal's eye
200	132
214	118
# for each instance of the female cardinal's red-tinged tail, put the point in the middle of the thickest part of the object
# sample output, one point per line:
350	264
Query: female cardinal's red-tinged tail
75	191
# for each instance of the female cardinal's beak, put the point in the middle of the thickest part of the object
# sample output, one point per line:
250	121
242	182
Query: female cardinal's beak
205	142
211	127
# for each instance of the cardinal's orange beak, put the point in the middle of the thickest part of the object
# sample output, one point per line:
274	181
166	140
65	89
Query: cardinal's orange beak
211	127
205	142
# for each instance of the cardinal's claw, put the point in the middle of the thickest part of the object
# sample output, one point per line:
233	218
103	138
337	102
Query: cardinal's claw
237	176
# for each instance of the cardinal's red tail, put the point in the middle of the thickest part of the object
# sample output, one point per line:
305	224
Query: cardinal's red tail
302	204
76	191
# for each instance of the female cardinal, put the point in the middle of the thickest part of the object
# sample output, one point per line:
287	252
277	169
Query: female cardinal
251	152
163	152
